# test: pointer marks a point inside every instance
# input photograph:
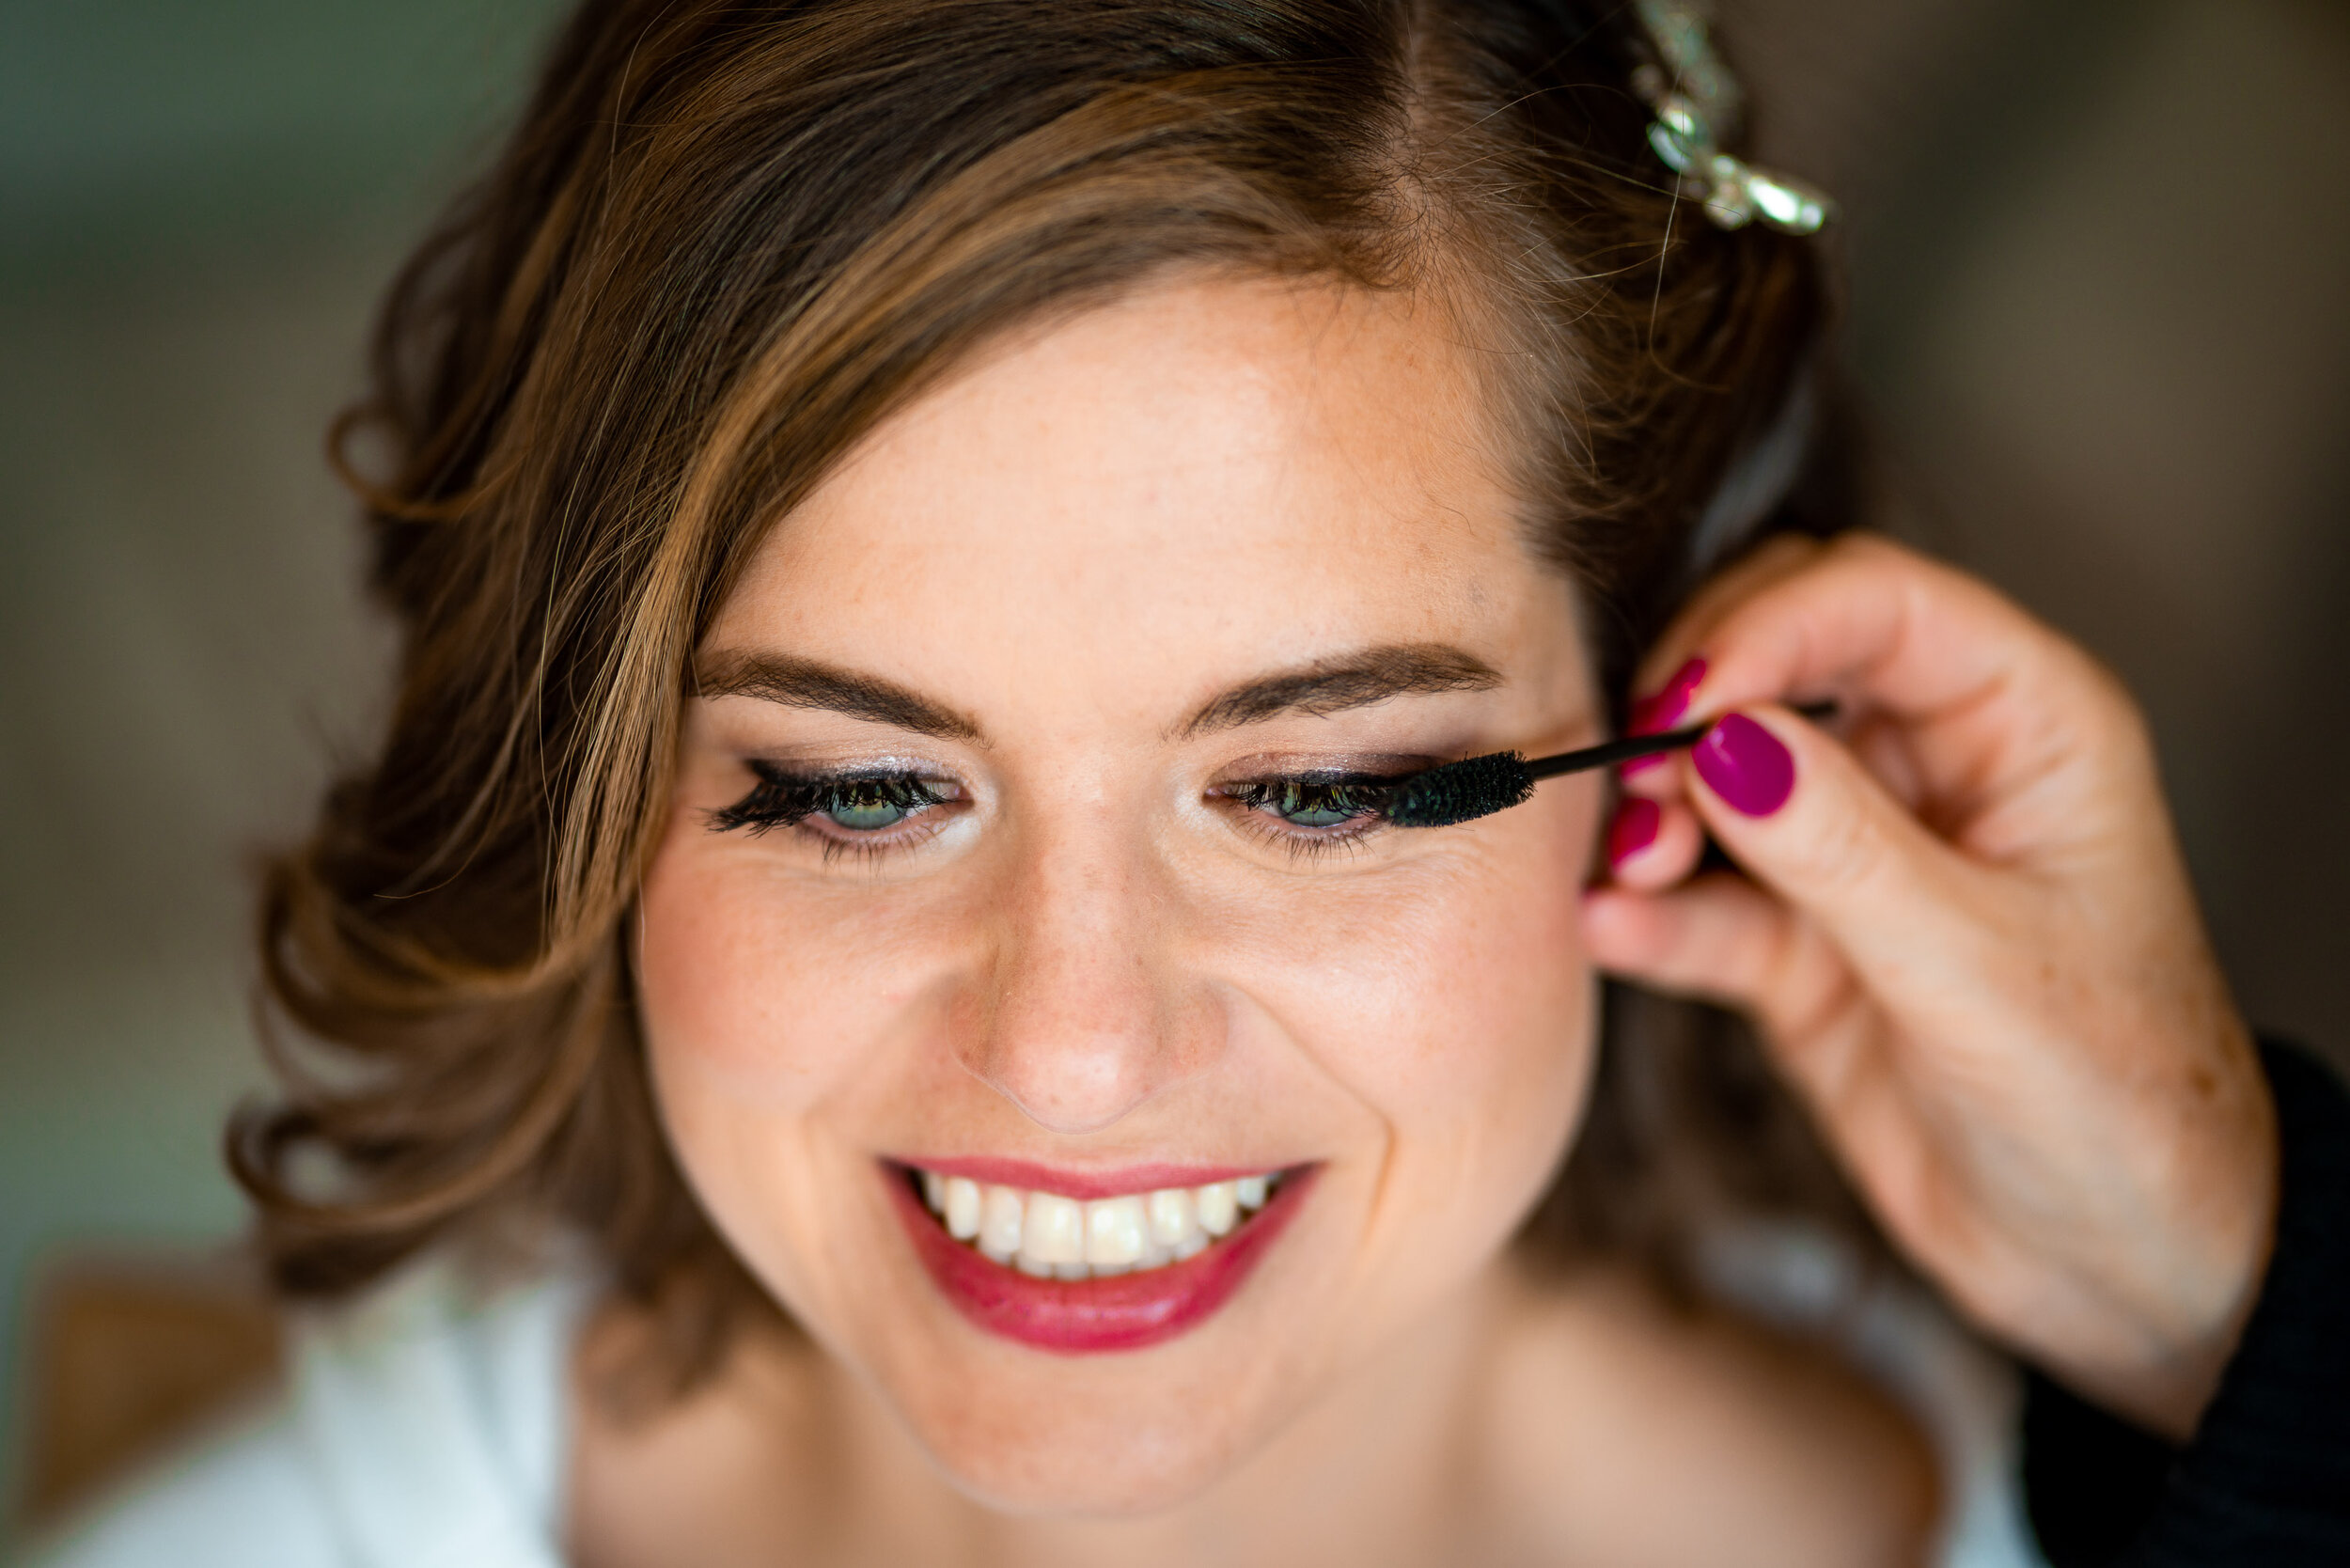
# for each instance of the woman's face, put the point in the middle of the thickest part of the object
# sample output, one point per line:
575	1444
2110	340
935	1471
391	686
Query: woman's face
1003	850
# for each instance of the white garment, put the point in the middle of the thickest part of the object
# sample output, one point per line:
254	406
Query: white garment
423	1427
1966	1396
426	1428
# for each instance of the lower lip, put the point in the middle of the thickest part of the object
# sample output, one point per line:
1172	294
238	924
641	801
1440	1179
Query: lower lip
1082	1317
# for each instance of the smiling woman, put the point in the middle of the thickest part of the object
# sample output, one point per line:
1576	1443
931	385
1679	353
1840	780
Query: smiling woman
1437	392
1108	941
922	531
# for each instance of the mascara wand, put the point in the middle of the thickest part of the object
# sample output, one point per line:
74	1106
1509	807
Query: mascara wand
1480	786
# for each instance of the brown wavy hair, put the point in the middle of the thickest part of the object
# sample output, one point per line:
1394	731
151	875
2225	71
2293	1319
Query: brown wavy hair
726	240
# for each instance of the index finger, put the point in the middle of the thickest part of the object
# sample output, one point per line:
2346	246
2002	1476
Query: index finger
1979	687
1868	617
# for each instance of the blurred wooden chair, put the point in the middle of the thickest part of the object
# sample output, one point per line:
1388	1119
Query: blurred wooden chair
128	1354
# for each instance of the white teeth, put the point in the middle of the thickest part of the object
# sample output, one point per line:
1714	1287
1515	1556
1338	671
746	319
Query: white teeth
1001	1214
1218	1207
1170	1216
962	1208
1053	1237
1056	1231
1114	1229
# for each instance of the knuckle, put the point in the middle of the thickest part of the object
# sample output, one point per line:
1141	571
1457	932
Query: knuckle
1797	985
1782	552
1873	554
1813	1010
2105	719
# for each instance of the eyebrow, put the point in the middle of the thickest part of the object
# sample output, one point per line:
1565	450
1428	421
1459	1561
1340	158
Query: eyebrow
1332	685
797	683
1354	679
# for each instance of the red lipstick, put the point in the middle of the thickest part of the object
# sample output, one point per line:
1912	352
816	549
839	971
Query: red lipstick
1079	1317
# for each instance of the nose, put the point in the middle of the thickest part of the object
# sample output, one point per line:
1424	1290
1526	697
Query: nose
1085	1008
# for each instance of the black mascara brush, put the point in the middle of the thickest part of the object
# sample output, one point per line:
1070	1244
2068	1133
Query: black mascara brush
1480	786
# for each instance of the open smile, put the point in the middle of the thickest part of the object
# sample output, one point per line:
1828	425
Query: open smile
1143	1259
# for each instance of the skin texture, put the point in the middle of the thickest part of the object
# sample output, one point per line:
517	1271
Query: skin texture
1969	940
1096	961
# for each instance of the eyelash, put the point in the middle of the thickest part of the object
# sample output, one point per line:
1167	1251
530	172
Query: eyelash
784	800
1361	804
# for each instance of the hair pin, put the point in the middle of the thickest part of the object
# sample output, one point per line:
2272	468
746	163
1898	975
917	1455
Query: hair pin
1698	106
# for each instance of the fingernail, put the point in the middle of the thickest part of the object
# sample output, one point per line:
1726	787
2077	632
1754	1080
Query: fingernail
1652	713
1744	764
1634	828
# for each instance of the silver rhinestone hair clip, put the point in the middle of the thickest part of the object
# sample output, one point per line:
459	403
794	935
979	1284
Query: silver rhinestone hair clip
1697	104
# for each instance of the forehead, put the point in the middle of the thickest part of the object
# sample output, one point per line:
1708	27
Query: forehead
1203	473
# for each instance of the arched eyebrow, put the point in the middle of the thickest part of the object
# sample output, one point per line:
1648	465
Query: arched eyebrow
797	683
1354	679
1331	685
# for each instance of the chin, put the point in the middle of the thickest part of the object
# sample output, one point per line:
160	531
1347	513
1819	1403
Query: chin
1089	1444
1114	1396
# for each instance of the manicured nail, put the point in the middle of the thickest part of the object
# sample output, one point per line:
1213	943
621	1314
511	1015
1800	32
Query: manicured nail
1652	713
1659	711
1638	819
1744	764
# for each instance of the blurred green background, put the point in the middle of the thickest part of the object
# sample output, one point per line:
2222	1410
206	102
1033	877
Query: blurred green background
2098	254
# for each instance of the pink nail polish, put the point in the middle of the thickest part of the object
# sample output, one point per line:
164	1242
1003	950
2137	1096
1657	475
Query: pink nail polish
1652	713
1634	828
1745	765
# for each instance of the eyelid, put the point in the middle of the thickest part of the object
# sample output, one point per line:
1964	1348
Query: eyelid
775	772
1322	768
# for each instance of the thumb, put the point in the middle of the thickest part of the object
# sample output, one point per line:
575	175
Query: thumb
1803	817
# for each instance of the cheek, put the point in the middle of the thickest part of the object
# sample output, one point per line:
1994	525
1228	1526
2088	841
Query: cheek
1482	1095
713	982
748	991
773	1017
1455	1003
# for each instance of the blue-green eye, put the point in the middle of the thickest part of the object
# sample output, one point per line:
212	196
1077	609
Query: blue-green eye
1313	803
871	804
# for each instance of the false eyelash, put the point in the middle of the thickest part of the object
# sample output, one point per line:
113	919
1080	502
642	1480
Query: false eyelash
783	800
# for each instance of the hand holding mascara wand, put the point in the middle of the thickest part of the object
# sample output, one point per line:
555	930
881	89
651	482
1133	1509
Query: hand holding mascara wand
1969	944
1480	786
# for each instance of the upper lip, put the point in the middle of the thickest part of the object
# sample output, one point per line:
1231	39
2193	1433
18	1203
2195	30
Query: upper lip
1112	1182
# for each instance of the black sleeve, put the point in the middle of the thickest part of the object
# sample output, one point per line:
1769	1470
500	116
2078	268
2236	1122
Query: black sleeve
2265	1480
